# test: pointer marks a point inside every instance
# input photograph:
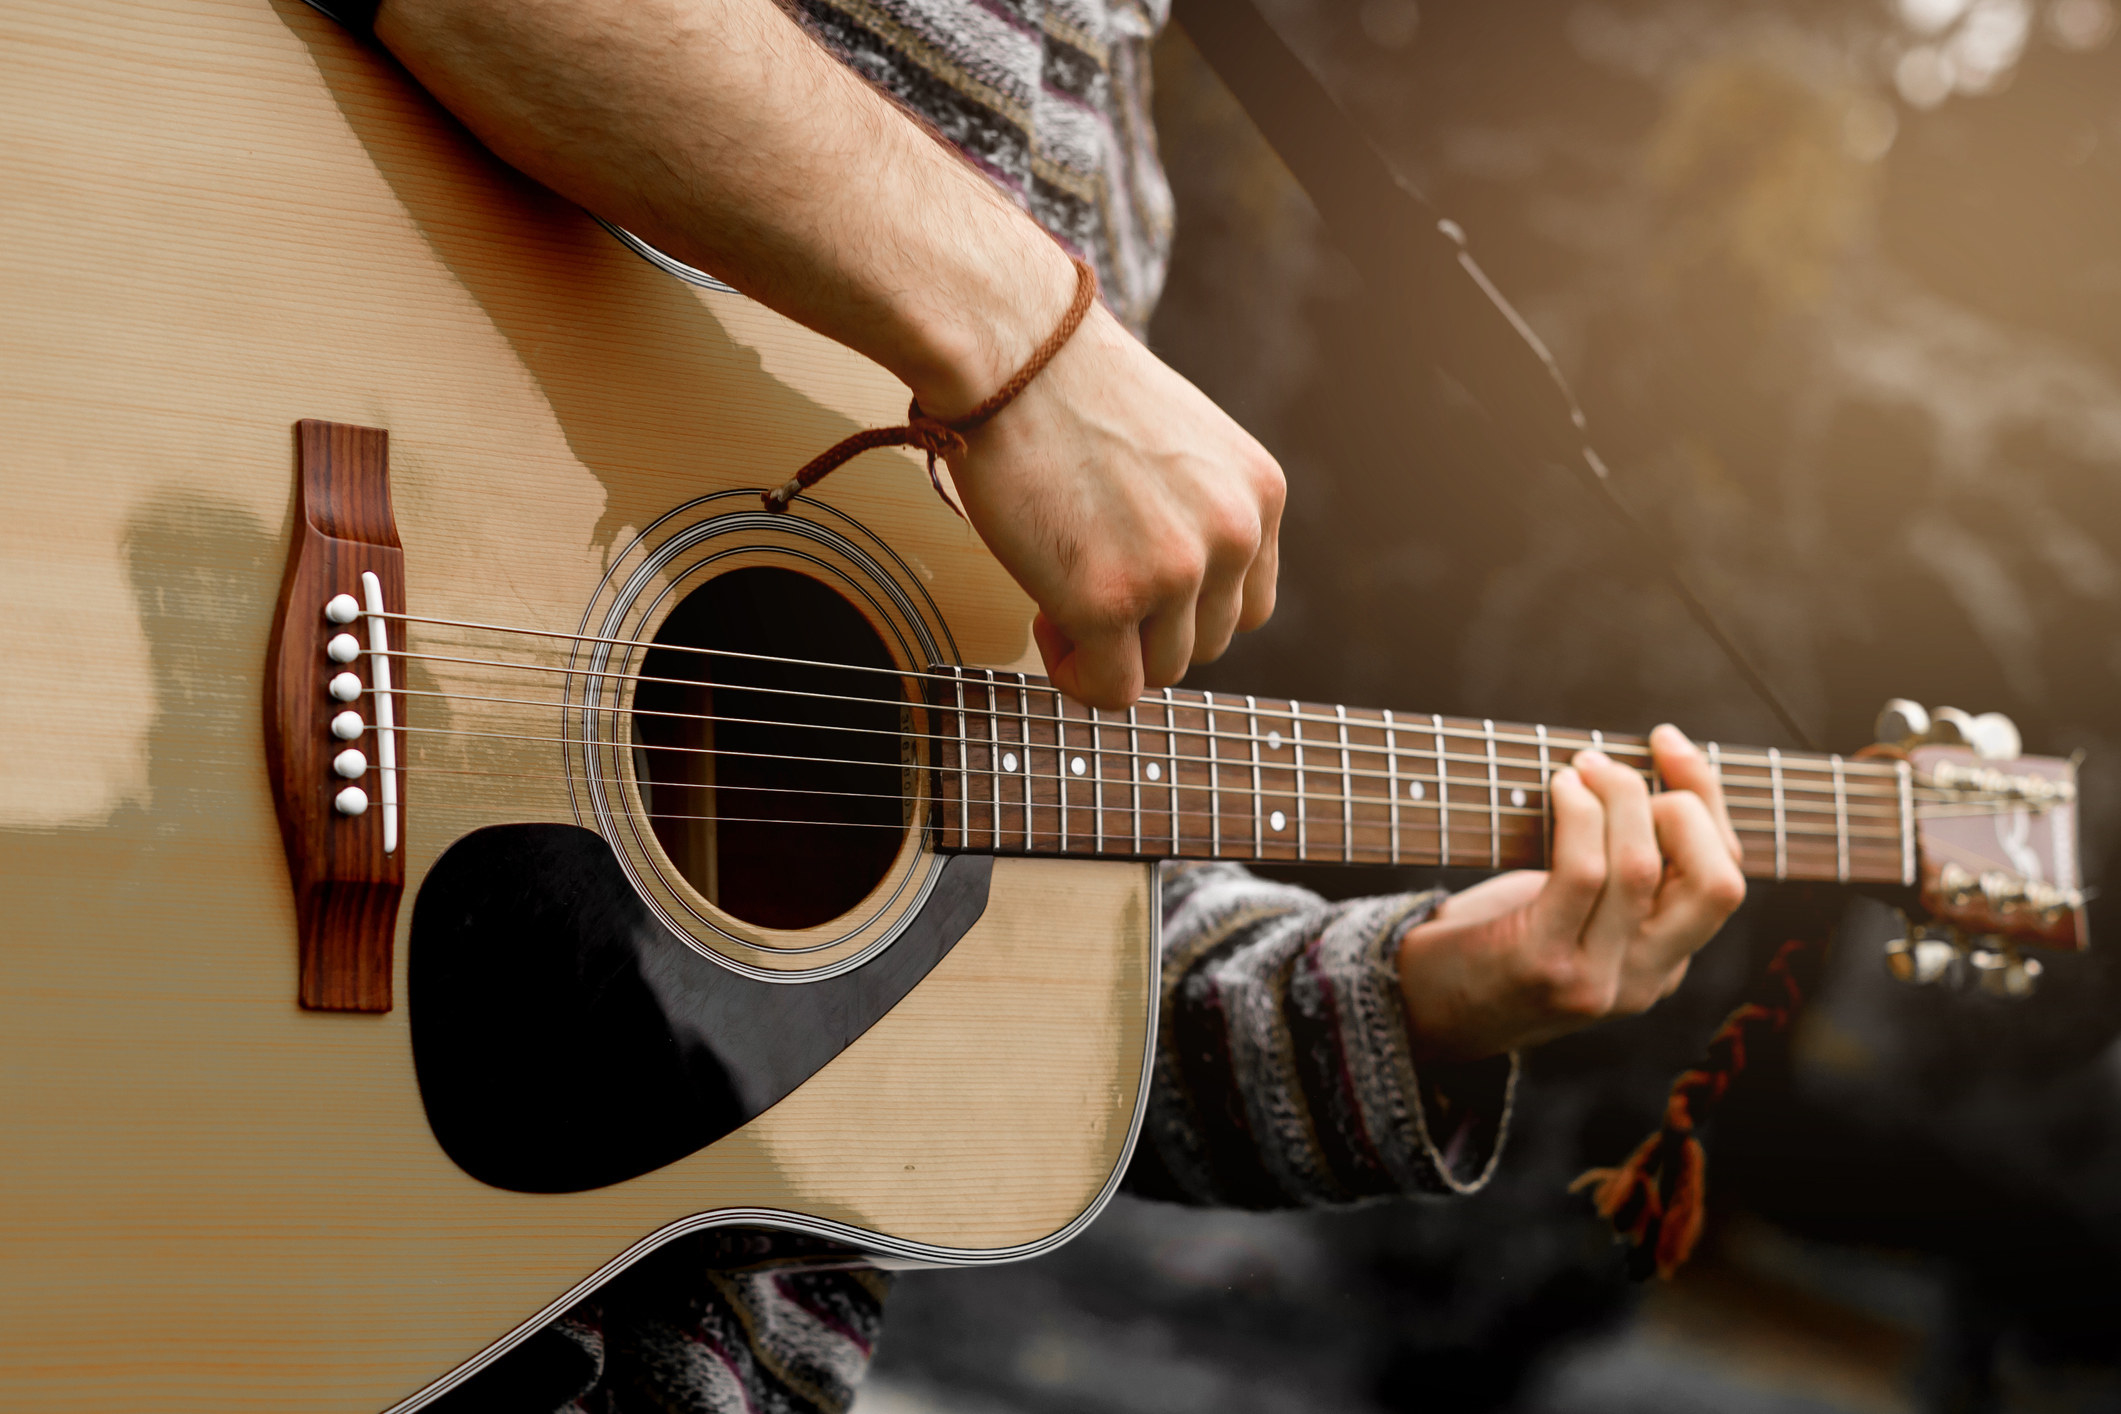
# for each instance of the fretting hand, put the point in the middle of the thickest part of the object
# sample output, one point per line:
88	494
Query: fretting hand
1638	884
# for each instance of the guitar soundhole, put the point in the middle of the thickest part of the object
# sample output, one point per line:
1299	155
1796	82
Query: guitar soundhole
774	781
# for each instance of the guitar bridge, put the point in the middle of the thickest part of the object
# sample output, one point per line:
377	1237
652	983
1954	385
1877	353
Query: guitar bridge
332	716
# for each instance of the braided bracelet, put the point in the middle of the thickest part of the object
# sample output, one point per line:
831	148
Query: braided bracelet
935	437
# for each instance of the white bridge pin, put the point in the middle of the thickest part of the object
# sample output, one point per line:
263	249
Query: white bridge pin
346	687
343	648
342	609
351	801
347	726
350	763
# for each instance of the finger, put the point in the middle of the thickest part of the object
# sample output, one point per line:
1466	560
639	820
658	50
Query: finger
1634	867
1215	615
1576	864
1262	574
1702	884
1684	767
1105	672
1167	644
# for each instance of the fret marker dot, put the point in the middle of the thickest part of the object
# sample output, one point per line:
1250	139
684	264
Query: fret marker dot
1077	766
1274	742
1414	790
1517	796
1278	821
1154	771
1008	761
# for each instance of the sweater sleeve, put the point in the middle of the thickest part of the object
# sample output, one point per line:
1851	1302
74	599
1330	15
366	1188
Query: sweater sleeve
1284	1071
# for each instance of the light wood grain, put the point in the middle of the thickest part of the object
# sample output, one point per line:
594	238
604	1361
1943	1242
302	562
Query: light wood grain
221	216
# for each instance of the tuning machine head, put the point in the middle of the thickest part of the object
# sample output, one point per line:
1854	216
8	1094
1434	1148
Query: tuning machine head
1991	736
1924	957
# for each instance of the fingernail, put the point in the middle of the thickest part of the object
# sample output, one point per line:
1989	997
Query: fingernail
1593	756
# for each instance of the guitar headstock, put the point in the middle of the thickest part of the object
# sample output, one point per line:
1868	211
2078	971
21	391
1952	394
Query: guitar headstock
1995	844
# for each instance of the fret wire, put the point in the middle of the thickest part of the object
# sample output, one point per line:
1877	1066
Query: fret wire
964	771
1134	781
1303	843
1782	854
1214	779
1392	777
1347	792
1023	733
994	754
1097	776
1443	793
1171	750
1841	826
1494	801
1907	824
1546	791
1258	805
1060	762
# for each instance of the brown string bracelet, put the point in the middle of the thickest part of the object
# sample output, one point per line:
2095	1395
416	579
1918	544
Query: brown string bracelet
937	438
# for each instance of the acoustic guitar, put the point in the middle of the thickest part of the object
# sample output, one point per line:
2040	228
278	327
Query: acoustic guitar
453	840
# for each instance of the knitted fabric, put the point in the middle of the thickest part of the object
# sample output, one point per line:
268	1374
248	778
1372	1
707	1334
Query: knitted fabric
1050	98
1284	1072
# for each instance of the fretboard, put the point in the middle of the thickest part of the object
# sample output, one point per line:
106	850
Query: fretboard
1201	775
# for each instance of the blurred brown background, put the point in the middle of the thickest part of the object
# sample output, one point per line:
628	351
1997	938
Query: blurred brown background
1839	285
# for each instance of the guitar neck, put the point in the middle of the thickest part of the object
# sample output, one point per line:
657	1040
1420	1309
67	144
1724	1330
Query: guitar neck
1023	770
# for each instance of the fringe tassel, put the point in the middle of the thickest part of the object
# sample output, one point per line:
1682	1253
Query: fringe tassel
1657	1197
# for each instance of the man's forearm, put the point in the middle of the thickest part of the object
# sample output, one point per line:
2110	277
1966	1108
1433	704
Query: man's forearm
719	131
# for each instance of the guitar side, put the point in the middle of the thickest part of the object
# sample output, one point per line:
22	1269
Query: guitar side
223	217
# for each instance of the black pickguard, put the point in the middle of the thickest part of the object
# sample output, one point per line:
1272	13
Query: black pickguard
566	1039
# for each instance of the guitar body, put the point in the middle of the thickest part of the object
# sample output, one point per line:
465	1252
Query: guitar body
219	218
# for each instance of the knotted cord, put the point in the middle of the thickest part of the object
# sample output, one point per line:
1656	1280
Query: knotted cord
932	435
1657	1197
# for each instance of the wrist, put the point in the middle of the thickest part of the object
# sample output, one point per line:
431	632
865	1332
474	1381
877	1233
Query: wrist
967	338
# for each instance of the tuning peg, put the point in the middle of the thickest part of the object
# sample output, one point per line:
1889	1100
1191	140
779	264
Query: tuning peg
1901	722
2002	972
1918	960
1949	726
1995	738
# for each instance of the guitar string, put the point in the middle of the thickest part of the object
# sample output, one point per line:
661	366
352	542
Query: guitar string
1414	727
1733	784
1741	793
1117	837
1261	794
1051	802
954	678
